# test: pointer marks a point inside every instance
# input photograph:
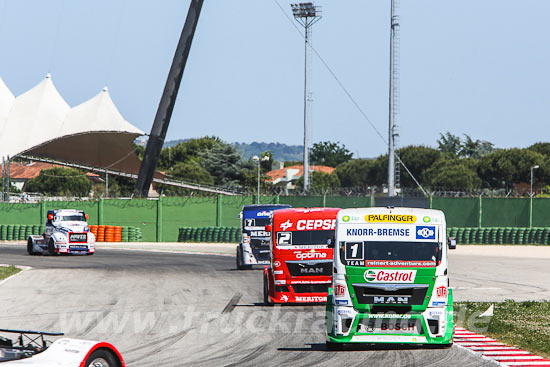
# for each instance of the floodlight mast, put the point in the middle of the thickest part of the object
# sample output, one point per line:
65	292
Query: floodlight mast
307	15
393	133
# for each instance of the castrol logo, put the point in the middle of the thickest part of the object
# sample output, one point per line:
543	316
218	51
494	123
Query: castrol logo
309	255
390	276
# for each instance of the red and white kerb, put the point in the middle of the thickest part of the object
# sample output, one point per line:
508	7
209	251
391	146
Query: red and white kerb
492	349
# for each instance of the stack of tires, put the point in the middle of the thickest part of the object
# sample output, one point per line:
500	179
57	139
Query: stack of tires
500	235
209	234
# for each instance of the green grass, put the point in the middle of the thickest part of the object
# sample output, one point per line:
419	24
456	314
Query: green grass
6	271
525	325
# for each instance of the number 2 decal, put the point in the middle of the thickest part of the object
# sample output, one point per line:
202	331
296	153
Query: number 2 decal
284	238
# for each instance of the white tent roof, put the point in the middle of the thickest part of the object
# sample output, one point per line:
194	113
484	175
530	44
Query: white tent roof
40	123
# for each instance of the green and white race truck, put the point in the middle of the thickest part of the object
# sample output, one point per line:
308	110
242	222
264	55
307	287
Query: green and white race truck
390	282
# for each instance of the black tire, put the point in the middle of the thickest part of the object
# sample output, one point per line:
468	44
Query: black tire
51	248
239	258
102	358
30	250
267	301
240	264
334	346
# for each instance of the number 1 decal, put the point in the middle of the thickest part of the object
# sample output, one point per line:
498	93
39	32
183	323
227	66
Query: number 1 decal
354	251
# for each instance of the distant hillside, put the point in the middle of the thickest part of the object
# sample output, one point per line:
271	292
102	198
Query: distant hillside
281	152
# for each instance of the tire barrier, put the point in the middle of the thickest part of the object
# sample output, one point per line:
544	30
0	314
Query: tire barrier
500	235
209	234
20	232
105	233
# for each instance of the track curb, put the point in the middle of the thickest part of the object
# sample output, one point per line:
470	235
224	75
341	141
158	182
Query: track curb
493	350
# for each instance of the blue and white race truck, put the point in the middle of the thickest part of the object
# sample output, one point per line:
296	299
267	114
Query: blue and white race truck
254	246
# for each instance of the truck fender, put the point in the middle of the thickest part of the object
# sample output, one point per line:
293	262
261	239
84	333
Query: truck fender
36	238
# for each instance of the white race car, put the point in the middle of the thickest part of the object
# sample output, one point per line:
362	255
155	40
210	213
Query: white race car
31	349
66	232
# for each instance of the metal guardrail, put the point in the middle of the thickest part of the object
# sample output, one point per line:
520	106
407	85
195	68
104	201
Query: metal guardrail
165	181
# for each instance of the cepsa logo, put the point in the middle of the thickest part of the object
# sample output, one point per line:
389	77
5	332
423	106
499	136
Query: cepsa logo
390	276
309	255
313	224
441	291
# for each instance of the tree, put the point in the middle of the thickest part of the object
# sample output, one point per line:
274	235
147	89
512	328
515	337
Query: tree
453	174
506	167
357	173
329	154
449	144
223	163
541	148
417	158
321	183
58	181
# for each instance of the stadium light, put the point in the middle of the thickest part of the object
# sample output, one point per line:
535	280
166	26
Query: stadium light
532	169
306	14
257	160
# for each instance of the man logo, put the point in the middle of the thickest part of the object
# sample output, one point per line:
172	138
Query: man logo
286	225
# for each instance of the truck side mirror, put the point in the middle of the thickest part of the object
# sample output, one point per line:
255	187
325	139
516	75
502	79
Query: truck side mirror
330	241
451	243
268	228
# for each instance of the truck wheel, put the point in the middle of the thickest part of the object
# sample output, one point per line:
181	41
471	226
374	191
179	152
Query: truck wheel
30	247
239	258
240	264
51	248
101	358
334	346
267	301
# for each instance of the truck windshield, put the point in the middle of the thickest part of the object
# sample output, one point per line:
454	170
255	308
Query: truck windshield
255	222
71	218
298	238
391	253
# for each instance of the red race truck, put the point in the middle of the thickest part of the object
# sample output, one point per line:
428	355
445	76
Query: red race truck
301	261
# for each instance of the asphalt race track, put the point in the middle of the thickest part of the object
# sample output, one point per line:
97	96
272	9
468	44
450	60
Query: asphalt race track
163	309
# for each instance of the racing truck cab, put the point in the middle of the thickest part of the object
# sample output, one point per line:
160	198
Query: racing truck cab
390	282
301	261
254	246
66	232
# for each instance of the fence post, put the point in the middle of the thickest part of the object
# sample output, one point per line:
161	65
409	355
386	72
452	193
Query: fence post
100	212
480	210
530	211
159	219
42	212
219	211
277	201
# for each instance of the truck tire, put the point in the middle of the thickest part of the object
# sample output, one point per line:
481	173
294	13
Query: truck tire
51	248
267	301
240	264
102	358
30	247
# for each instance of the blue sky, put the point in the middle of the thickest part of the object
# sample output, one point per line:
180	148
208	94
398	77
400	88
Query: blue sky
469	67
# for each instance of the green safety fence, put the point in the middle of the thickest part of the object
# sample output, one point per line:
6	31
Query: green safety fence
20	232
500	235
209	234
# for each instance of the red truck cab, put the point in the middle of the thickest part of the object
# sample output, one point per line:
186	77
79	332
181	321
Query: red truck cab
301	261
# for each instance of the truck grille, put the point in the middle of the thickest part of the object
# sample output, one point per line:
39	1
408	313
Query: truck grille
390	294
310	288
309	268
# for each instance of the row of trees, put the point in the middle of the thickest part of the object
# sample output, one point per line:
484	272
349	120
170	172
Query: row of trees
456	164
